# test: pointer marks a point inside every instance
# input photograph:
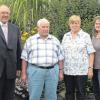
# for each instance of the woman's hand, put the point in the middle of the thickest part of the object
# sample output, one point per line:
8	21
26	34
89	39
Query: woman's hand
90	73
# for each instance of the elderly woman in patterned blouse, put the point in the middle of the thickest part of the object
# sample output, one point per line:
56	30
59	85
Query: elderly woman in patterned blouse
79	56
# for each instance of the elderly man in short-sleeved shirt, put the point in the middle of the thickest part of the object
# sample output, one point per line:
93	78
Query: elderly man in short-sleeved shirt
42	56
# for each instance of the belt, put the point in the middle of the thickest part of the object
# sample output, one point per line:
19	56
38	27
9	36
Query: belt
42	67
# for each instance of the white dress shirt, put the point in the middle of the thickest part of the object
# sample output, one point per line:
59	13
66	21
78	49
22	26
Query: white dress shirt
5	30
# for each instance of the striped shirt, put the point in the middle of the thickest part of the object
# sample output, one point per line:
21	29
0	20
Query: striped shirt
42	52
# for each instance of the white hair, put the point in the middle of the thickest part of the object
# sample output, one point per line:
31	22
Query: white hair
43	20
3	6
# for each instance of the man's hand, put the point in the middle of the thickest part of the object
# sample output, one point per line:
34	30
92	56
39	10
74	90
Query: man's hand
23	73
18	73
23	77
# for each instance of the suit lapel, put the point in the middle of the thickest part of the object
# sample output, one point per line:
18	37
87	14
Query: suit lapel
10	35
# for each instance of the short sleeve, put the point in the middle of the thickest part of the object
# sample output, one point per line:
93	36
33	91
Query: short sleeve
89	44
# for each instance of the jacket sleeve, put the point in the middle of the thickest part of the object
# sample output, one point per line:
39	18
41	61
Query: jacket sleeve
18	50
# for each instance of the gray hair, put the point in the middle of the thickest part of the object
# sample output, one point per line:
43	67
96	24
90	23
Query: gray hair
43	20
4	6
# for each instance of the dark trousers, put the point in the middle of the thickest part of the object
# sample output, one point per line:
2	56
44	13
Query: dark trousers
75	87
96	84
7	87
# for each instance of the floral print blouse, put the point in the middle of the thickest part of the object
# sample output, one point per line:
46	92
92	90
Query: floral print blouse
77	53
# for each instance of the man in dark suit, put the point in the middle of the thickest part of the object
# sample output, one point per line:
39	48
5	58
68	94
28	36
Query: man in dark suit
10	51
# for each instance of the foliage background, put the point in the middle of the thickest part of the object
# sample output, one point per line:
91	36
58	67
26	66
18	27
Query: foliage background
25	14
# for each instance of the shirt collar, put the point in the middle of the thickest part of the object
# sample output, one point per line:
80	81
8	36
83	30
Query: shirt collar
49	36
79	33
1	24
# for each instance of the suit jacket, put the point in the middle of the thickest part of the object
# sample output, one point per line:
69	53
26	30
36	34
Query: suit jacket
10	52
